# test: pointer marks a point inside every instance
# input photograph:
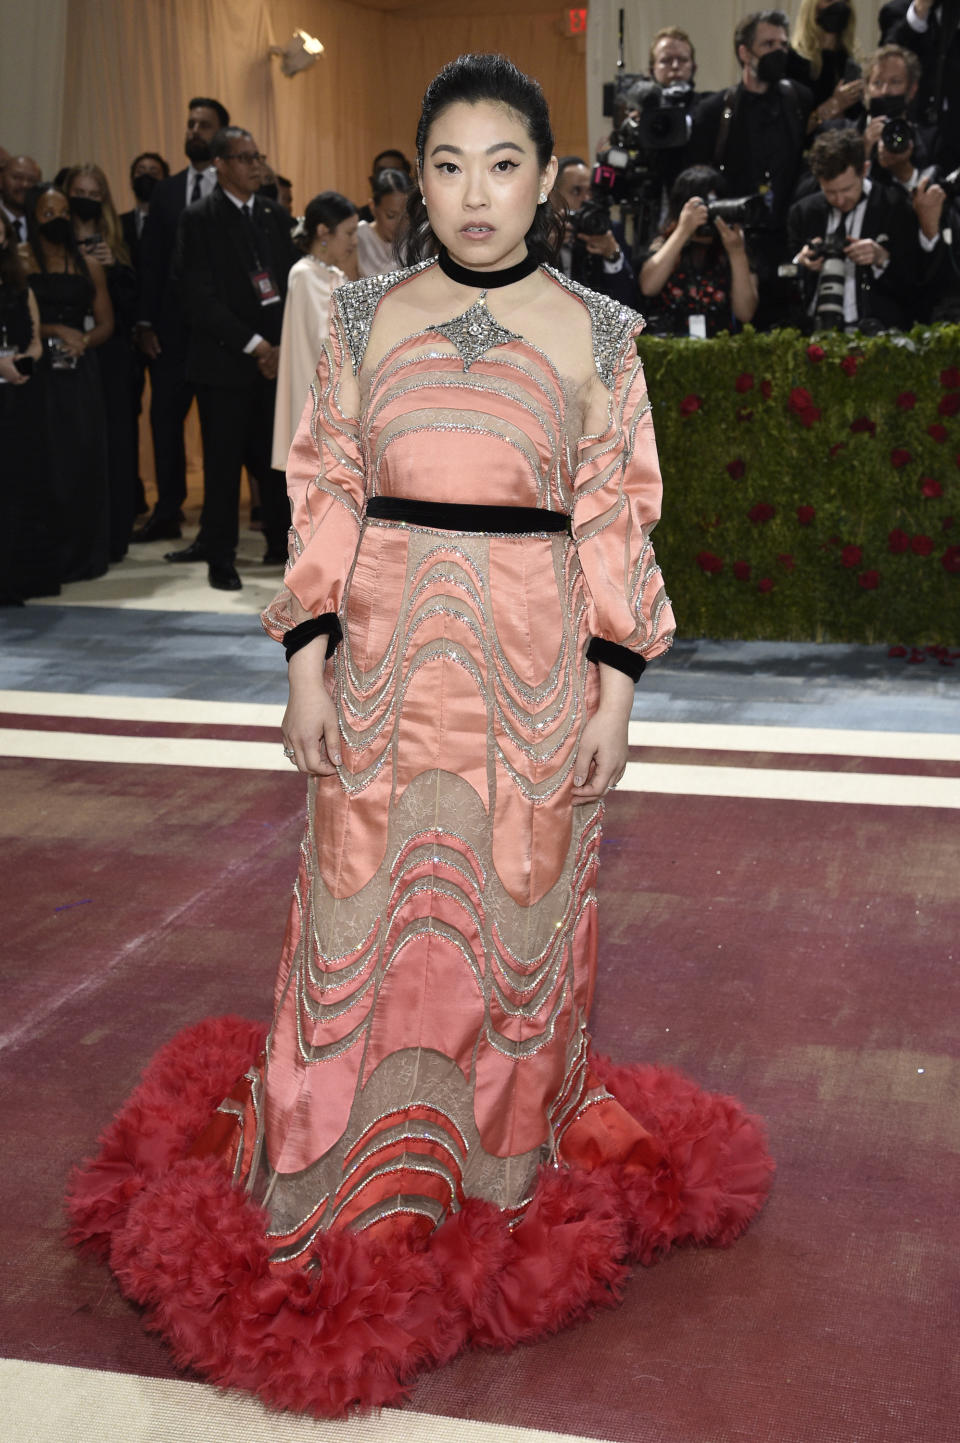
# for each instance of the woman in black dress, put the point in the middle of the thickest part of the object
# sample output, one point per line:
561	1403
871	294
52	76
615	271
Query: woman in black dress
71	291
697	274
25	565
100	237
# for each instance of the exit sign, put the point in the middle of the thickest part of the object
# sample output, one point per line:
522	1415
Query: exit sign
575	20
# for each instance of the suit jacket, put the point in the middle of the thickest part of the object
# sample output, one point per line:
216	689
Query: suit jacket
215	258
159	303
891	298
128	222
590	271
791	104
927	48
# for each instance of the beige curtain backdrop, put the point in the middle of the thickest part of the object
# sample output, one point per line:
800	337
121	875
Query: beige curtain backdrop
710	23
103	79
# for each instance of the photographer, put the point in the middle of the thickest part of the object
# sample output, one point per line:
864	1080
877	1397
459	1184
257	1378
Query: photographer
754	133
592	252
855	244
931	30
697	273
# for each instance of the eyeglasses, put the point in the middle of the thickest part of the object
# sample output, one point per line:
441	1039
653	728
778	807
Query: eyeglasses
245	156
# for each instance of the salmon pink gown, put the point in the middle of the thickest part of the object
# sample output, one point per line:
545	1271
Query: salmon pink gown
426	1153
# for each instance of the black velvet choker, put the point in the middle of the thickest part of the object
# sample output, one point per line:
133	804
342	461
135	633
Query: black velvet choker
486	280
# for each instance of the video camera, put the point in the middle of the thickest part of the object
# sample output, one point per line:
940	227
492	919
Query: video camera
648	119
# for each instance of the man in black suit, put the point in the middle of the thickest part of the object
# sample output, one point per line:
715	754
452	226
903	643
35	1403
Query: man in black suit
595	260
876	287
931	29
755	133
161	330
234	253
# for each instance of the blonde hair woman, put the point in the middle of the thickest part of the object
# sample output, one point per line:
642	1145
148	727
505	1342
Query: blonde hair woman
824	36
94	214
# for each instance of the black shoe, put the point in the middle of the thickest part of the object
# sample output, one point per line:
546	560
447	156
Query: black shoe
155	529
223	577
193	552
275	558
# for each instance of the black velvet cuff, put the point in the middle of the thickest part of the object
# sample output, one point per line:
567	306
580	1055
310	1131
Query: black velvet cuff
328	624
612	654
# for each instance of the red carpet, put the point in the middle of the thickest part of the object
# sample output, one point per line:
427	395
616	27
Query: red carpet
800	956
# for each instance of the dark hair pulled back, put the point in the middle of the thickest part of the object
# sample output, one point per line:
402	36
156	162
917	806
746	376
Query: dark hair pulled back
471	79
328	208
389	182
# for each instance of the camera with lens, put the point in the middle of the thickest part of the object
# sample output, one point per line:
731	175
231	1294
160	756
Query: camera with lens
831	248
745	210
898	135
593	218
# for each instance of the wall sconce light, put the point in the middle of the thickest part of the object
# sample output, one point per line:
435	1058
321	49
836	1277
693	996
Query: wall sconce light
300	51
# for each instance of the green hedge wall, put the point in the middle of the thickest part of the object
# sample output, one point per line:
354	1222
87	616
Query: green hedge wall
811	489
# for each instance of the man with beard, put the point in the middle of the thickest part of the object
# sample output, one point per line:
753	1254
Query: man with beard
755	133
16	178
161	329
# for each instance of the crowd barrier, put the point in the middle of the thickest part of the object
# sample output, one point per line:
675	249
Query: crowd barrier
812	488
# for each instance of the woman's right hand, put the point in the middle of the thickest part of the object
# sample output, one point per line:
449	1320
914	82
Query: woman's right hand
693	216
74	341
310	724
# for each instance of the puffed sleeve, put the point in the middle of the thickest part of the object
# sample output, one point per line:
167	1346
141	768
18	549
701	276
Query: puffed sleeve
616	505
326	489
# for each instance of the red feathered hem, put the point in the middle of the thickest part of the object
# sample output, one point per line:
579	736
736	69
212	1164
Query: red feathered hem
192	1250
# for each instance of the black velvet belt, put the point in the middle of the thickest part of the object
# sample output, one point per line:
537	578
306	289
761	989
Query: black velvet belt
454	516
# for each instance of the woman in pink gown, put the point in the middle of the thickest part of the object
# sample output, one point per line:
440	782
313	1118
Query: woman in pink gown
425	1153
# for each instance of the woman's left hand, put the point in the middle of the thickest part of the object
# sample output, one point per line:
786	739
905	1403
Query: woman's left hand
602	753
731	235
101	252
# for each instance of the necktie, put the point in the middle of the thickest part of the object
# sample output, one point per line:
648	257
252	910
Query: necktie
841	230
197	189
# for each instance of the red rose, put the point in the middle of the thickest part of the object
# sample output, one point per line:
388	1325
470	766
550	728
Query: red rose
689	404
930	488
938	433
743	383
869	580
906	400
837	447
815	353
950	379
900	457
786	560
921	545
801	404
766	389
851	556
949	404
950	560
765	584
761	512
741	570
805	515
897	651
863	425
898	542
735	469
708	562
849	365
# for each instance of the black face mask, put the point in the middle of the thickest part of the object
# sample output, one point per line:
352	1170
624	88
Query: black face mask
772	67
144	186
834	19
57	231
84	207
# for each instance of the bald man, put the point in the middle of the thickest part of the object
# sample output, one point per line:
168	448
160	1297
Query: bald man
16	178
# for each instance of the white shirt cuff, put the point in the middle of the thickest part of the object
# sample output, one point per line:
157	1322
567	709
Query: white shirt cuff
928	243
252	345
914	21
612	267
